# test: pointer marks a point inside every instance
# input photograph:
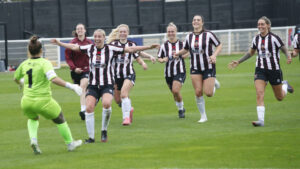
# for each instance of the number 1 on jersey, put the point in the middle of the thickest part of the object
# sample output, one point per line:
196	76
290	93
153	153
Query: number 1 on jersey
29	72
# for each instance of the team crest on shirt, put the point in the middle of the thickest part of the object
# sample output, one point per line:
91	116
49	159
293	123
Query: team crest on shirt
98	55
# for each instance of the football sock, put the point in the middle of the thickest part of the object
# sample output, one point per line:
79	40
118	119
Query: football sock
65	132
261	113
90	124
105	118
284	88
33	126
179	105
201	106
83	107
214	91
126	106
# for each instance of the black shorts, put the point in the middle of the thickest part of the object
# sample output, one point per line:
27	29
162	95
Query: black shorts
205	74
120	81
179	77
273	76
77	77
98	92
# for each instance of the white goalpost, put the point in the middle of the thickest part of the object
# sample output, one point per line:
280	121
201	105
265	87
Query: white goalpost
234	41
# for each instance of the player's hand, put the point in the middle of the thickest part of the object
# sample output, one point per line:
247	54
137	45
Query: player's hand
21	83
213	59
157	46
77	89
55	41
289	60
78	70
233	64
153	59
175	55
145	66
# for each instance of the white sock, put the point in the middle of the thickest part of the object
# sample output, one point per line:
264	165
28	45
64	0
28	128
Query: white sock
284	88
90	124
126	107
179	105
105	118
83	108
214	91
201	106
33	141
261	113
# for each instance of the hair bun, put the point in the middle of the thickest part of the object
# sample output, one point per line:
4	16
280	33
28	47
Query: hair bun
33	39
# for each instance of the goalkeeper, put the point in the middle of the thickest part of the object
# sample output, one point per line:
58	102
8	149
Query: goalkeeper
36	73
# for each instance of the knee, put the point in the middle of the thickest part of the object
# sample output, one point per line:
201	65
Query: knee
60	119
106	104
209	94
124	95
89	108
279	98
175	92
198	92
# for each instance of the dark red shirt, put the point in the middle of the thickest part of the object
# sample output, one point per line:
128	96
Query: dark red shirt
78	59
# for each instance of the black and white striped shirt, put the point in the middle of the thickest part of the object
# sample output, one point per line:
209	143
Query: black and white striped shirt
200	47
296	42
100	62
123	62
267	51
173	66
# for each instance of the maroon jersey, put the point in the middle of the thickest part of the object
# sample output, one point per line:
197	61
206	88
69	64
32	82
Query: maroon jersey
78	59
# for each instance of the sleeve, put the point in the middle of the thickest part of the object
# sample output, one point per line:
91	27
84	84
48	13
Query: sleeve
85	49
18	73
214	39
278	41
48	70
68	56
136	54
117	49
186	44
253	44
296	42
161	52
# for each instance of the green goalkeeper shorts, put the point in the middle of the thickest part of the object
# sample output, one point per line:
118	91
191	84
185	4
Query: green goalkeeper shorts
46	107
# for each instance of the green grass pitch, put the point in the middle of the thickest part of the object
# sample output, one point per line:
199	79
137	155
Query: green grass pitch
157	138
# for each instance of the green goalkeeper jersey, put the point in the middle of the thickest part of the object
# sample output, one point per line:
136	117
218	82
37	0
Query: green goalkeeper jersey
37	73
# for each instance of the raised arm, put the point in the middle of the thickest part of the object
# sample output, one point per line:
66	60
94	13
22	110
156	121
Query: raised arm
133	49
71	46
286	53
233	64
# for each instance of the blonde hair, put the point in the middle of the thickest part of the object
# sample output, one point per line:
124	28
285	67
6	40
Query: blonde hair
173	25
267	20
101	31
114	35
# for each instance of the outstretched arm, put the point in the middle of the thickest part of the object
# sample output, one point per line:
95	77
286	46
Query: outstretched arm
133	49
233	64
71	46
58	81
286	53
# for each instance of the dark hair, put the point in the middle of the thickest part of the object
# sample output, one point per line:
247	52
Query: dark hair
202	18
74	31
34	45
267	20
